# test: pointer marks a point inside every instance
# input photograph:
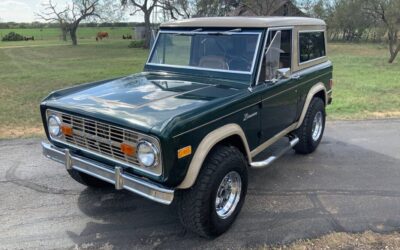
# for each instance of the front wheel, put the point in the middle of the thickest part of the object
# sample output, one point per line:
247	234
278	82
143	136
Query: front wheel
312	129
211	206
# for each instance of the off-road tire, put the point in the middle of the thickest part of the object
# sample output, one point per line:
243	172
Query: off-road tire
196	206
307	144
86	179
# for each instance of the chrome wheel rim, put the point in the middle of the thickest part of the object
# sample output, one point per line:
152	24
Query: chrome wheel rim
228	195
317	126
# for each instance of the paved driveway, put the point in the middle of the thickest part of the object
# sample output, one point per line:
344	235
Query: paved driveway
351	184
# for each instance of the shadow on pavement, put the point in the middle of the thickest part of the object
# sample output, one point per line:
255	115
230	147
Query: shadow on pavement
341	187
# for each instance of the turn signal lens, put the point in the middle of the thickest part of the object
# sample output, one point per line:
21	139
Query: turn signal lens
66	130
183	152
127	149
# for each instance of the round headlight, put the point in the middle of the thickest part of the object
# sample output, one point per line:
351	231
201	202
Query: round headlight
147	154
54	126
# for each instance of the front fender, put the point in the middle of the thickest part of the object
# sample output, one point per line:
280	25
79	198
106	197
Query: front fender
205	147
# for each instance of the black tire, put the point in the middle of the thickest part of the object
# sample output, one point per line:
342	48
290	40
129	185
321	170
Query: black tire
86	179
307	143
196	206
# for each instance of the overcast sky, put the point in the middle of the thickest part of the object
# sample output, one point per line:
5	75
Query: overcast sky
24	10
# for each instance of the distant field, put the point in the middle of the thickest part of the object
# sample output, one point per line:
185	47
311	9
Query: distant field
47	34
365	85
28	74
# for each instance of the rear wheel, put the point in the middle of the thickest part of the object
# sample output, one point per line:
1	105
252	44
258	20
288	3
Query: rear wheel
311	131
86	179
211	206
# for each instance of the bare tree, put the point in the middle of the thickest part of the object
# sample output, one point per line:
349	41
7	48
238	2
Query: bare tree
216	7
146	7
387	12
263	7
174	9
80	10
183	8
70	16
51	14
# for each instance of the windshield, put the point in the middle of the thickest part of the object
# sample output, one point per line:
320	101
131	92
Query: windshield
220	51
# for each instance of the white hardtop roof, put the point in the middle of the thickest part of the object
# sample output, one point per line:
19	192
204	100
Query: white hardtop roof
245	22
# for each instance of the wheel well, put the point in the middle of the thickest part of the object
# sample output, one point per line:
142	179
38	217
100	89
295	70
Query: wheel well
321	94
236	141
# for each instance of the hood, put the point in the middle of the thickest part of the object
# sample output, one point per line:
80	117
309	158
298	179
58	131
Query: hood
143	101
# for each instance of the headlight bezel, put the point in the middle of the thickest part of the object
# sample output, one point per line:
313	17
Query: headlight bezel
155	152
58	122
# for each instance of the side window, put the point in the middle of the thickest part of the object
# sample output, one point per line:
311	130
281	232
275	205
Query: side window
312	46
279	44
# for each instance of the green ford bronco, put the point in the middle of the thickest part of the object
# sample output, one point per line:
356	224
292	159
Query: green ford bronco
213	95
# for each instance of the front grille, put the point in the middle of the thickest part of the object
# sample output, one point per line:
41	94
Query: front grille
100	137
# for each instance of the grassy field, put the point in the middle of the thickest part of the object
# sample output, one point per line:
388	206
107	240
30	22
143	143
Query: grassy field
83	32
365	85
28	74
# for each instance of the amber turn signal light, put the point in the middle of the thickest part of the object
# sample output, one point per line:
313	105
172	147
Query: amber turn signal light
127	149
66	130
184	152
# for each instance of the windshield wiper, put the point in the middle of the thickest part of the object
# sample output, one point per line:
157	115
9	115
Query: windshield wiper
189	33
229	32
193	32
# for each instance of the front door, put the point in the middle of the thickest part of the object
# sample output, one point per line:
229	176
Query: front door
279	106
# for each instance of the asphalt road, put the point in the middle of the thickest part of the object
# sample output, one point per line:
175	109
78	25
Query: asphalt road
351	184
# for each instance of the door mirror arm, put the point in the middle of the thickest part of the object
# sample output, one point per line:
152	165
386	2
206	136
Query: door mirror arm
284	73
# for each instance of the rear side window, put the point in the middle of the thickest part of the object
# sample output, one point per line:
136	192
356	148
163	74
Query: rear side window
312	45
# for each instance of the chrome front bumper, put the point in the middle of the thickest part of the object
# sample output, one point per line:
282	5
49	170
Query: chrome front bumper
113	175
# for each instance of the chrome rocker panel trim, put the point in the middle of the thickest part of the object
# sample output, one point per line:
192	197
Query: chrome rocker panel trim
109	174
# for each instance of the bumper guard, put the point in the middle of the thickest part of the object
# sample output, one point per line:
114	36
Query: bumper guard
113	175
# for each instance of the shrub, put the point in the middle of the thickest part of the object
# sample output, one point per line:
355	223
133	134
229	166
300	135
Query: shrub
136	44
12	36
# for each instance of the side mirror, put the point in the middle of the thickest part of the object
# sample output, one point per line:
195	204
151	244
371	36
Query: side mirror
284	73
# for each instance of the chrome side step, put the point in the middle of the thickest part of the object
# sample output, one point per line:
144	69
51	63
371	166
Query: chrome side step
267	162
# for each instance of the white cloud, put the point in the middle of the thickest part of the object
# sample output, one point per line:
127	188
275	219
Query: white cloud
16	11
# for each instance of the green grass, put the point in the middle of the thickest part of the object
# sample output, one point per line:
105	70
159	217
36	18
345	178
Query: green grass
366	86
28	74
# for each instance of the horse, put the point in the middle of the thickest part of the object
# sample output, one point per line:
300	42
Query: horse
101	35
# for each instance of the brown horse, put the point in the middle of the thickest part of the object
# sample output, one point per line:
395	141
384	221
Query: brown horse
101	35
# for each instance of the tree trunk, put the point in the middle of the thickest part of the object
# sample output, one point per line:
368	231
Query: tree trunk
147	26
393	54
394	45
72	32
64	34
